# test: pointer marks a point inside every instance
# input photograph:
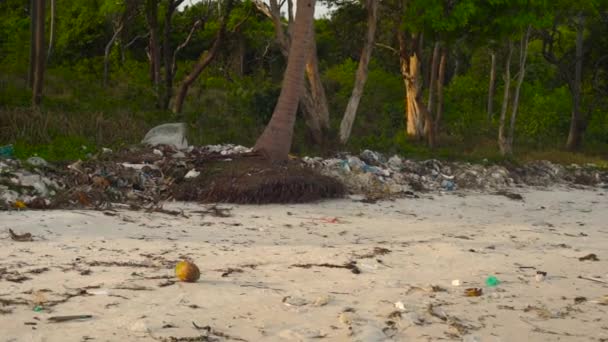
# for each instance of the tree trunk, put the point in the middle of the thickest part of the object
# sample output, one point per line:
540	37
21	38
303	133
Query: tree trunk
362	70
428	122
321	110
275	141
502	139
577	123
523	54
52	33
204	60
168	54
410	71
313	104
38	53
440	84
106	57
492	86
152	19
32	68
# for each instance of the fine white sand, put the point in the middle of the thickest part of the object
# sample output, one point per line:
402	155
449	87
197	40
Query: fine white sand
119	269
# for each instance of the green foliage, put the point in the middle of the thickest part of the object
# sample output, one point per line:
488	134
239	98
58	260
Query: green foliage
59	149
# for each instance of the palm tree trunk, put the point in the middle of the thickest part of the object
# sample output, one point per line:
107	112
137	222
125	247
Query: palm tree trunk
410	71
32	68
428	122
106	57
440	82
275	141
52	29
362	70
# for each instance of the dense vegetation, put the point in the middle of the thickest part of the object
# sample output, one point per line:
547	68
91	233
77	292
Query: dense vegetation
115	68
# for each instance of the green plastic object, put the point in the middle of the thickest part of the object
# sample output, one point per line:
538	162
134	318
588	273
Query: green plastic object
7	152
492	281
38	308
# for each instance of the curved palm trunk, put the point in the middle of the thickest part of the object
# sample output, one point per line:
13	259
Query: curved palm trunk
523	52
353	103
275	141
491	86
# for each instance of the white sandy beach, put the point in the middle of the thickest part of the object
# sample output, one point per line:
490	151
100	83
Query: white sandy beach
119	270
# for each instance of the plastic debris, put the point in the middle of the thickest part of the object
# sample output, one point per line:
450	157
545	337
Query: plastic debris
492	281
456	282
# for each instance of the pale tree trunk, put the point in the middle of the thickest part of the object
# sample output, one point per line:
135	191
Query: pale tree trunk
523	54
39	55
410	71
185	43
313	103
440	83
428	123
106	57
492	86
502	139
362	70
204	60
577	124
321	110
275	141
52	33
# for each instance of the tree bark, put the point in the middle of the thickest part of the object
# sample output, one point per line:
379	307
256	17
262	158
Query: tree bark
410	71
523	54
39	55
204	60
492	86
362	70
502	139
275	141
577	123
106	57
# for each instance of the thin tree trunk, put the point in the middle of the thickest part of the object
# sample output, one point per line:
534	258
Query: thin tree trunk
502	139
440	84
152	19
196	25
39	54
523	52
321	108
275	141
492	86
577	121
32	68
428	122
204	60
106	57
167	54
362	70
52	33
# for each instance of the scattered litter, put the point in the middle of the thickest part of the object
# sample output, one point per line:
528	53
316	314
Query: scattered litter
400	306
38	308
25	237
60	319
540	276
473	292
294	301
192	174
597	280
492	281
456	282
589	257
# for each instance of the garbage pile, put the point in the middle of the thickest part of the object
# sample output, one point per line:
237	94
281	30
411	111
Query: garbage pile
145	176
